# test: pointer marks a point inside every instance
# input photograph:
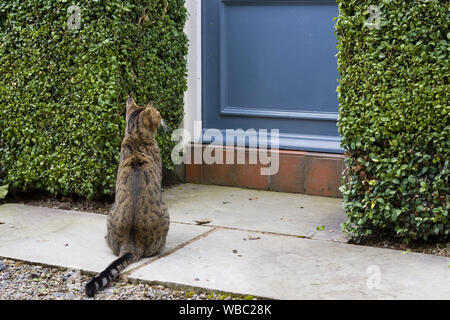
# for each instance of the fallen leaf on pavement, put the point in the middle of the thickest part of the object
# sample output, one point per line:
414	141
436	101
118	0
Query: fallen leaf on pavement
203	221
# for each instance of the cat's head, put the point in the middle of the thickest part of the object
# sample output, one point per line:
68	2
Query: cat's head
141	121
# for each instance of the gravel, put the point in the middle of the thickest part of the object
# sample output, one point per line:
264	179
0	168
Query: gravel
24	281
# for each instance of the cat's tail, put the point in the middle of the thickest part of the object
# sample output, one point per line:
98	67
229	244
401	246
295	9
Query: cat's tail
105	277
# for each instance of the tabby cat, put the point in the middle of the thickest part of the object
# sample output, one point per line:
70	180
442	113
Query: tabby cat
138	223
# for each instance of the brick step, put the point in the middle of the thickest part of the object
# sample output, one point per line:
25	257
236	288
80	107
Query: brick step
299	171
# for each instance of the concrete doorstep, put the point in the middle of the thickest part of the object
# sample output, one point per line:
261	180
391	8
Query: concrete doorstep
260	243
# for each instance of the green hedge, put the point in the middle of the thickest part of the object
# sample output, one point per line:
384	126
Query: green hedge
63	90
394	118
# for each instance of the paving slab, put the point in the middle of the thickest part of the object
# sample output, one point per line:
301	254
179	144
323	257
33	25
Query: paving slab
258	210
67	238
283	267
254	245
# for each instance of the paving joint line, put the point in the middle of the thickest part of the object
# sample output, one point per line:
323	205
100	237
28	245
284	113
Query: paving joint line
298	236
168	252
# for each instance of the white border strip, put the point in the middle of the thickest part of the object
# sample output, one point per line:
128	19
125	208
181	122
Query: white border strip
193	95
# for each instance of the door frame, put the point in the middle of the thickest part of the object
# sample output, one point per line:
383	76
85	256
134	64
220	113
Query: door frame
193	95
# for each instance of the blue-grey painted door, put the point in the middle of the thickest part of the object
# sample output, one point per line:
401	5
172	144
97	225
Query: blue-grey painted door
272	65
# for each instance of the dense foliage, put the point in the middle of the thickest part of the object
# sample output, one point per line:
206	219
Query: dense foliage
394	117
63	89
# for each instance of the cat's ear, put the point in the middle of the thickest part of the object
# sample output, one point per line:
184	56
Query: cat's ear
150	104
130	102
131	105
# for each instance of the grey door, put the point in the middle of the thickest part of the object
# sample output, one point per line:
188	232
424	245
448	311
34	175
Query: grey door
272	65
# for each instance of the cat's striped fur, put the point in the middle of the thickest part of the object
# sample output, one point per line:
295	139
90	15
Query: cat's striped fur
138	223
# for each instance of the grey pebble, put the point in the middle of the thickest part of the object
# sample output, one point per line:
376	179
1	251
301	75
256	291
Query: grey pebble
2	266
67	275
